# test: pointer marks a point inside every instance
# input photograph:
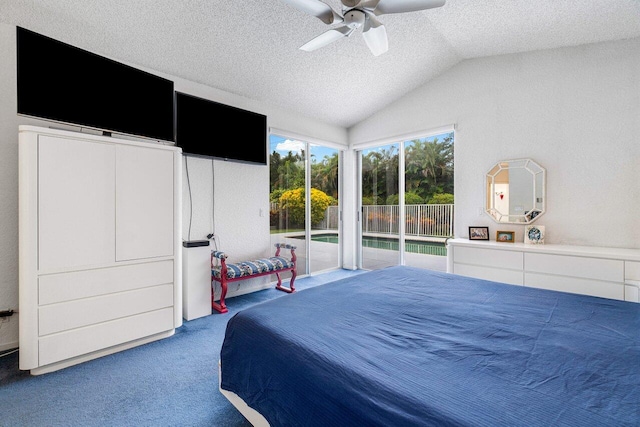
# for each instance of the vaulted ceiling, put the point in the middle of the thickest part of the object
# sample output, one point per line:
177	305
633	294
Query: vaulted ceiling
251	47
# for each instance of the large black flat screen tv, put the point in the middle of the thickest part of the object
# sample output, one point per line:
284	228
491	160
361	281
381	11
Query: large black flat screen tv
63	83
212	129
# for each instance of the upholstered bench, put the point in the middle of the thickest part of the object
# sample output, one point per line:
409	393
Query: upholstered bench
224	273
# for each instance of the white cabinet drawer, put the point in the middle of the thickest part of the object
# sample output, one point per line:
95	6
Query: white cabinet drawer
632	270
61	287
488	257
575	285
512	277
90	311
631	293
589	268
65	345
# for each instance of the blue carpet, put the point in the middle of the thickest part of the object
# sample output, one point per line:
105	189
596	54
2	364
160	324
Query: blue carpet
171	382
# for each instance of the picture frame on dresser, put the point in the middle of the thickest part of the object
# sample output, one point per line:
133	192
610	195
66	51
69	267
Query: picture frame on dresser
505	236
478	233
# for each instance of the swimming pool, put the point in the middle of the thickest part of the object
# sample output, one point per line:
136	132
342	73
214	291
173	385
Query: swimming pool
413	246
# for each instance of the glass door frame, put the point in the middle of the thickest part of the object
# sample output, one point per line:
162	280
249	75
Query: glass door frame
309	142
401	141
360	210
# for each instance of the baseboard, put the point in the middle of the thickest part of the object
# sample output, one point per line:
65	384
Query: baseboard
9	346
246	290
100	353
243	290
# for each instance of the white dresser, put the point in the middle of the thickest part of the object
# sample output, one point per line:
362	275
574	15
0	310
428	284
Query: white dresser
99	256
603	272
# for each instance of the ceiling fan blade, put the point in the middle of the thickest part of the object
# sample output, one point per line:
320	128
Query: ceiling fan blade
375	35
316	8
326	38
385	7
369	5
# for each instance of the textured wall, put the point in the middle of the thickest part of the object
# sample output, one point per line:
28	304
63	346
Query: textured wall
573	110
240	207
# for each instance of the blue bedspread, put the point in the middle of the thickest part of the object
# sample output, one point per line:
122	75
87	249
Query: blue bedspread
405	346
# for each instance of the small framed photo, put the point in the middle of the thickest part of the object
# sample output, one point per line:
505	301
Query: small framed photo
505	236
478	233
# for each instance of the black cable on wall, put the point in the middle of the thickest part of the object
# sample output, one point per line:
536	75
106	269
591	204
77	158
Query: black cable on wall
186	168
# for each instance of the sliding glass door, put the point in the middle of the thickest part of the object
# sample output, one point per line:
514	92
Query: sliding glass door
406	209
379	212
325	214
428	201
304	196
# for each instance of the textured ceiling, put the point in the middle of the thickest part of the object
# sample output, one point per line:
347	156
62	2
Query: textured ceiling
250	47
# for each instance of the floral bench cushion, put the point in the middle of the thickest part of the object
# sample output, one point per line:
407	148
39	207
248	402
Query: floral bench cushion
250	268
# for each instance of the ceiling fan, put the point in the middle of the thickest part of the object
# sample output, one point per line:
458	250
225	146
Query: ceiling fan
356	14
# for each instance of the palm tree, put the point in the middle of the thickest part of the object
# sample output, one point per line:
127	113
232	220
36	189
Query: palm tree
429	166
324	175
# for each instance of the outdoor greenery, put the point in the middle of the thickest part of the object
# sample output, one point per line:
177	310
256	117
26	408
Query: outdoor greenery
409	199
293	202
428	178
441	199
287	173
287	187
428	172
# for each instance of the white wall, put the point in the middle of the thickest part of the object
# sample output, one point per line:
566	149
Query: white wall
576	111
241	190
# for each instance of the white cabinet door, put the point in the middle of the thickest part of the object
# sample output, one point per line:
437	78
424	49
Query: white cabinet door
144	203
76	222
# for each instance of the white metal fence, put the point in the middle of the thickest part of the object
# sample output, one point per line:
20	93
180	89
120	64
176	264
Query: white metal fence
421	220
331	219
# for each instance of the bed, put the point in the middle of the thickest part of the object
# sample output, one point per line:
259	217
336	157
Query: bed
405	346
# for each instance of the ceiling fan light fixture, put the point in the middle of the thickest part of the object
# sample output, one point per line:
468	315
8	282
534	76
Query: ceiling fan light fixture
355	13
375	36
354	18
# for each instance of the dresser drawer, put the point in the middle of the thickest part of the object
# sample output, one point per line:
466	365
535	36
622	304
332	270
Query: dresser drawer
632	293
607	270
90	311
488	257
81	341
575	285
632	271
512	277
54	288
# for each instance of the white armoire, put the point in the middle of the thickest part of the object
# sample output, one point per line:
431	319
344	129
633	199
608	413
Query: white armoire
99	255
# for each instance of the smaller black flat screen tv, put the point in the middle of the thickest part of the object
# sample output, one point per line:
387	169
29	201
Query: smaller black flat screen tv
63	83
211	129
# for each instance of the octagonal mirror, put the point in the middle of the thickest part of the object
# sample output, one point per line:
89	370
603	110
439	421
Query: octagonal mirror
515	191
